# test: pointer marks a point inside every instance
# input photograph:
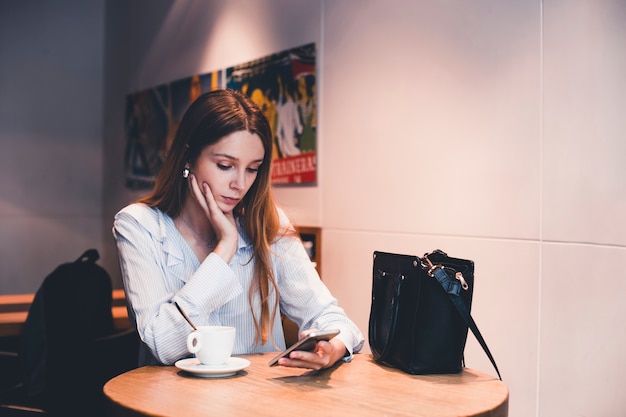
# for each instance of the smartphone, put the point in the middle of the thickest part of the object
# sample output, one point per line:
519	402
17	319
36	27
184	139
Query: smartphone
307	343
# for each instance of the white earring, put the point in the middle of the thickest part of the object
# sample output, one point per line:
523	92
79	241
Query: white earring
186	171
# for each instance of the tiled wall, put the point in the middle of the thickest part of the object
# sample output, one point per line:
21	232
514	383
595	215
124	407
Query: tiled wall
492	130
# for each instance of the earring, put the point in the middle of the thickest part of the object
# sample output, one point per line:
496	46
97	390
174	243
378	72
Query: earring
186	171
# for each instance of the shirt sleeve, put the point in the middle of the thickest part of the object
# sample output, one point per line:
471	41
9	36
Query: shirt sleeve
152	286
306	300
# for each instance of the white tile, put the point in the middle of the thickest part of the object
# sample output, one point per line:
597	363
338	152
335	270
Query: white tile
583	333
431	118
584	153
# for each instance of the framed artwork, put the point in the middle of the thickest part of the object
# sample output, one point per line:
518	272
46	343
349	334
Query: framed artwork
282	85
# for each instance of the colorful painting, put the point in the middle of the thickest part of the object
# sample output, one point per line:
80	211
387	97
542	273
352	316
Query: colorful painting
282	85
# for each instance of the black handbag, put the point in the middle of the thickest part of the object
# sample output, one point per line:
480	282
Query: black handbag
420	312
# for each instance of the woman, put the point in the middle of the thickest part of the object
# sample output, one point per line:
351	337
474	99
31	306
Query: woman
210	238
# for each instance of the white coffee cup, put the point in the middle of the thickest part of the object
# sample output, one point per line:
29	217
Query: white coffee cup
212	345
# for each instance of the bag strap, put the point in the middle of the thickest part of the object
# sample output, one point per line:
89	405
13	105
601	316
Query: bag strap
382	354
453	287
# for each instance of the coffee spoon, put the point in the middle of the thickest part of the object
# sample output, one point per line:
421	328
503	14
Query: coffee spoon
184	315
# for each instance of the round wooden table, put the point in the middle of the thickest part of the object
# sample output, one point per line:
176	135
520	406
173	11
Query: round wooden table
359	388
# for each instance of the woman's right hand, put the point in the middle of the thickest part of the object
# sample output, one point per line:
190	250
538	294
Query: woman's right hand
223	224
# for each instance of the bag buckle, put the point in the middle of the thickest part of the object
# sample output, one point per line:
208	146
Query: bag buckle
459	277
430	269
428	266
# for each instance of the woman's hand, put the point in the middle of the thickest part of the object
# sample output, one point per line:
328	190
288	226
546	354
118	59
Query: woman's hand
325	355
223	224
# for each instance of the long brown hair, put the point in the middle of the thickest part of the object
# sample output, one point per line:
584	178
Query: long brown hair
210	117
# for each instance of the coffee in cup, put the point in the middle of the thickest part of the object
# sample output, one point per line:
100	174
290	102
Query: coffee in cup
212	345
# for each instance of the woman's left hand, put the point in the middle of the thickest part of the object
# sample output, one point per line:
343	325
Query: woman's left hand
325	355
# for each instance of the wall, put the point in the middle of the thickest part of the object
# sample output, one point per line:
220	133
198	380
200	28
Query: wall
492	130
489	129
51	69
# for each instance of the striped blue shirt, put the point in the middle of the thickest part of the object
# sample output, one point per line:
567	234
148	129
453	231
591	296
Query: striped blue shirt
158	268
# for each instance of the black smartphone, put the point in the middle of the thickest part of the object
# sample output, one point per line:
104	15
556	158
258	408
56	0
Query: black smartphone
307	343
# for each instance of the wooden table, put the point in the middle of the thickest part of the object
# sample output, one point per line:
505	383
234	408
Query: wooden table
359	388
14	309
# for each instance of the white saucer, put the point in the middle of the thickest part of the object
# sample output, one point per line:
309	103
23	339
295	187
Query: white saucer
231	367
